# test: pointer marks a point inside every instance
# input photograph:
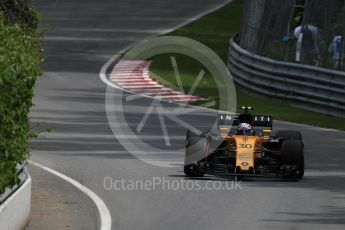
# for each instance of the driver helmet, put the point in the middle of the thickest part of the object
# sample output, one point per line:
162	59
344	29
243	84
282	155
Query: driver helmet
245	128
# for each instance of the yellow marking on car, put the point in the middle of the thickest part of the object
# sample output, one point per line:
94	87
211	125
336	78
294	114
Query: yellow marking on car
245	151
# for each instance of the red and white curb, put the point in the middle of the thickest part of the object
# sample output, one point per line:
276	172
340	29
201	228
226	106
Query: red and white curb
134	76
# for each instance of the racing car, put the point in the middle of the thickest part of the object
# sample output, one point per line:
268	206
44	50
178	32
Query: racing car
244	145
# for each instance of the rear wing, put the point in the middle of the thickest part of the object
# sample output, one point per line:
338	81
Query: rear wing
227	119
262	121
236	119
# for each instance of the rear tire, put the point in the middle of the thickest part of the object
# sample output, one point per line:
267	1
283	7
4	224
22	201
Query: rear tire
289	135
292	155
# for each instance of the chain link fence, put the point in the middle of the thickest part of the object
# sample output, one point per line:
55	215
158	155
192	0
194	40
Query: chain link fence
304	31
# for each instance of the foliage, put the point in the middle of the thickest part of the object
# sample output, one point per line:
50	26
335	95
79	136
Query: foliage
19	12
19	67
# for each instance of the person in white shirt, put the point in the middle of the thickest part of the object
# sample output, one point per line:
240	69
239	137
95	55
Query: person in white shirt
312	28
307	49
335	49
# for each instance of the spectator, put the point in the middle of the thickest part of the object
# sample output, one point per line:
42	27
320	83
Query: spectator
308	39
335	49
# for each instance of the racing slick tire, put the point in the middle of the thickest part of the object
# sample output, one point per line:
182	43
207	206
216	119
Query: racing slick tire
289	135
292	155
196	148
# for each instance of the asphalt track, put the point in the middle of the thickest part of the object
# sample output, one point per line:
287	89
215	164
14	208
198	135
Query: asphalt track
70	98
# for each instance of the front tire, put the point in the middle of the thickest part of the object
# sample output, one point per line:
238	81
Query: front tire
196	148
193	171
292	156
289	135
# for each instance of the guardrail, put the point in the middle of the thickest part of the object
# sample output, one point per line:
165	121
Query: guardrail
23	175
308	87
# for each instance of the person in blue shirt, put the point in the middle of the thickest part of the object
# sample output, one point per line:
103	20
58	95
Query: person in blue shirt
335	49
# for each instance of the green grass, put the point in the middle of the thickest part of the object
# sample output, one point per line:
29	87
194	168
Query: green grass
215	30
189	69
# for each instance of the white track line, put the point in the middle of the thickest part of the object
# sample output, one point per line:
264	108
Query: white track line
104	214
218	7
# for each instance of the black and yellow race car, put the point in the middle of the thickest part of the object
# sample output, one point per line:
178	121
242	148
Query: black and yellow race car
244	145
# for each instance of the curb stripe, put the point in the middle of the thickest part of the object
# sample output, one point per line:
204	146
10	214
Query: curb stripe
134	75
